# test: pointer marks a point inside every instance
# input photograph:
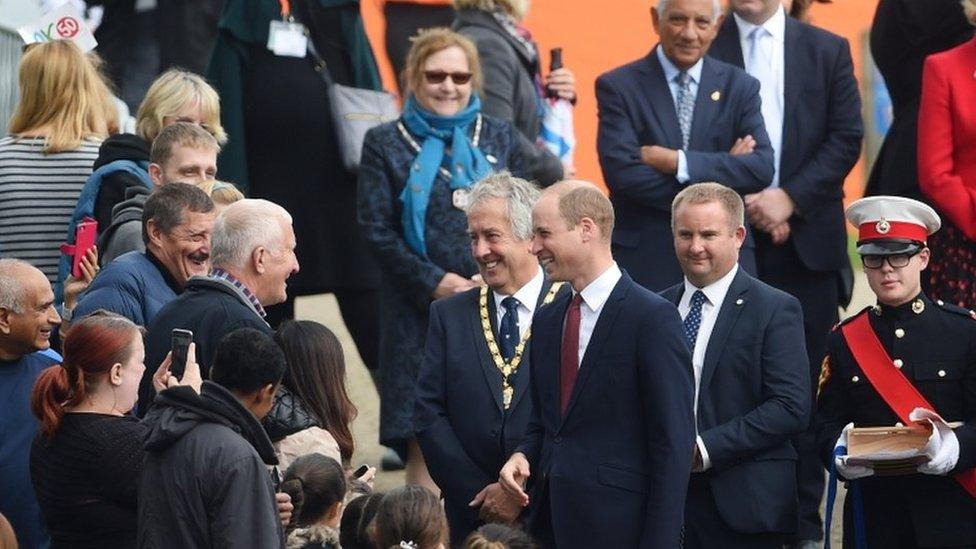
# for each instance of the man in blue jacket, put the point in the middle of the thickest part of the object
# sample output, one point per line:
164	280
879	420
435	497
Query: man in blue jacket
753	391
176	225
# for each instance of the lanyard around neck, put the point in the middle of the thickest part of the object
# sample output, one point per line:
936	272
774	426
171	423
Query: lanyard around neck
285	9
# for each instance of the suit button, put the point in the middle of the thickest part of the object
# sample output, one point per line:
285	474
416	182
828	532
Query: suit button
557	440
899	333
855	379
493	432
898	363
898	424
942	373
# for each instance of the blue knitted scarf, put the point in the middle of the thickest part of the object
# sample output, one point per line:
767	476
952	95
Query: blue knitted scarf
466	163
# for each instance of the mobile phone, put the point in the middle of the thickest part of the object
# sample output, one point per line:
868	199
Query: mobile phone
363	469
85	234
180	346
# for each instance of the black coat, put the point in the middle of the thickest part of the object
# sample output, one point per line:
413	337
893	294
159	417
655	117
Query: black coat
937	353
123	146
205	481
208	307
510	73
903	34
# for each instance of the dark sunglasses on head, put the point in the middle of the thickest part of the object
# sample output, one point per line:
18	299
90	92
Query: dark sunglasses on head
436	77
897	261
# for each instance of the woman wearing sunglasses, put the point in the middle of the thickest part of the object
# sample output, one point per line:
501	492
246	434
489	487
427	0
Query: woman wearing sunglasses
413	182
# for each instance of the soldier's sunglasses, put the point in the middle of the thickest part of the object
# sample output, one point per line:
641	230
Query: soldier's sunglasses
897	261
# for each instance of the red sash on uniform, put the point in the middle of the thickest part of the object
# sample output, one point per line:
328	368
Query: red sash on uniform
895	389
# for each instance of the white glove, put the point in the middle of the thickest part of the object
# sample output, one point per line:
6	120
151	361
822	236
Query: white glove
850	472
942	447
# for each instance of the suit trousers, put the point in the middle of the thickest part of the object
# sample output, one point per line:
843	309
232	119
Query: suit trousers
705	528
818	292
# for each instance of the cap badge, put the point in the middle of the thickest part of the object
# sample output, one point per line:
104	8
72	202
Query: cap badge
883	226
918	306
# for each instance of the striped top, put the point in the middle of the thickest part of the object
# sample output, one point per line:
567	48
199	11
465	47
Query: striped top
38	194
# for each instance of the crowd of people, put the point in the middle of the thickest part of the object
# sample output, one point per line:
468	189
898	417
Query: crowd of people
660	365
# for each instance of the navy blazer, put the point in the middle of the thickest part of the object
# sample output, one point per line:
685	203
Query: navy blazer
753	395
465	433
636	108
822	132
614	470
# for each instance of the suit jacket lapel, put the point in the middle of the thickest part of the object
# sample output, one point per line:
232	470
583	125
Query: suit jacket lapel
735	301
791	90
594	349
492	375
728	46
658	95
707	101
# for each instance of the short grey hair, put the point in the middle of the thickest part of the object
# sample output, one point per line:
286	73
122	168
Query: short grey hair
702	193
519	194
244	226
662	6
13	295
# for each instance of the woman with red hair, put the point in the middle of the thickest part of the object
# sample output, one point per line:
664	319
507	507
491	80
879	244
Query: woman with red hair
86	460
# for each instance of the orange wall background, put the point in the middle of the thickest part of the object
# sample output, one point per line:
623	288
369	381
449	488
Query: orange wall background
598	36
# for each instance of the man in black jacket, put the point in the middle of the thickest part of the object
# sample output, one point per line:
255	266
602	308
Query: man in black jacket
253	254
205	482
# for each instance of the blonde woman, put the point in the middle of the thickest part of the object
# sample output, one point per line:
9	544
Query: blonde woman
65	111
175	96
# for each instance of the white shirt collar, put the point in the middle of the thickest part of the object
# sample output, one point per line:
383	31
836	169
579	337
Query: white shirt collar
671	71
775	25
714	292
527	295
596	293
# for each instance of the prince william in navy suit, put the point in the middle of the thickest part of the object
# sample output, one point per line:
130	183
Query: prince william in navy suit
609	445
473	398
753	392
673	118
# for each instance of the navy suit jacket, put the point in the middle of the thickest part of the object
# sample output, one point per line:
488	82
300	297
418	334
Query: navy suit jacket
753	395
636	108
462	427
613	472
822	132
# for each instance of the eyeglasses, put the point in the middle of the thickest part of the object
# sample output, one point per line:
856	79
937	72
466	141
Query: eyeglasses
897	261
436	77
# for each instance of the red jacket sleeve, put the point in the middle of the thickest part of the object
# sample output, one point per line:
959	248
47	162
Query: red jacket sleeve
939	175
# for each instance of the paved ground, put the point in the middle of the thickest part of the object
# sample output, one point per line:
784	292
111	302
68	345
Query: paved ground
324	309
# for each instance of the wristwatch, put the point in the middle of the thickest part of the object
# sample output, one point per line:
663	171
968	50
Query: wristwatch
66	313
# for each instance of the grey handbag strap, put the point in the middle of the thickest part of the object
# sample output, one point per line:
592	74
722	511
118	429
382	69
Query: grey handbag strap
320	65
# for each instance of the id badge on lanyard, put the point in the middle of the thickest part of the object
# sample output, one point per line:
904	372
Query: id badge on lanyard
287	38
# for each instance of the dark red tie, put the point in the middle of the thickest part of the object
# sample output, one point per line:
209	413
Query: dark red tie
569	357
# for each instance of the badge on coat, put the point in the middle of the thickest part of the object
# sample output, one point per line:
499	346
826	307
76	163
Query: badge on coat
460	199
287	39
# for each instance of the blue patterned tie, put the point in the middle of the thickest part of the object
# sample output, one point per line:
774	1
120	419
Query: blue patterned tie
693	320
509	327
686	107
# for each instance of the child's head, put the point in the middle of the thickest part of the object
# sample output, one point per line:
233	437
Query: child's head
499	536
410	514
317	486
356	518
